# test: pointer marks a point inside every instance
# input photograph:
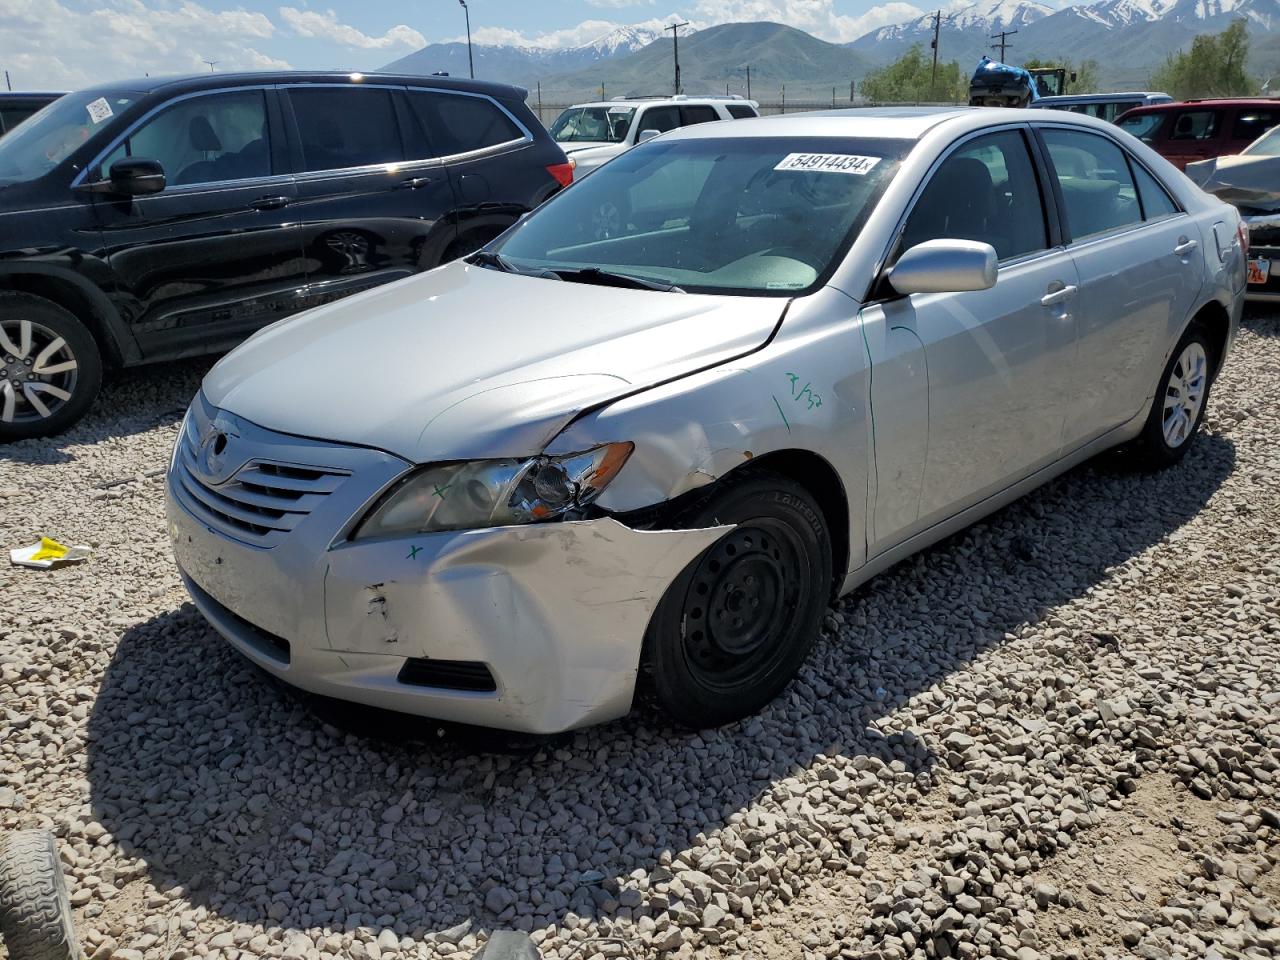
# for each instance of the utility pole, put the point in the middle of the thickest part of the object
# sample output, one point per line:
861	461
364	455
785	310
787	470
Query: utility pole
211	63
539	101
784	98
471	63
1003	37
933	79
675	47
10	85
748	81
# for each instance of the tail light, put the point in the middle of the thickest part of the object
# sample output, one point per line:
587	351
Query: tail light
563	172
1242	231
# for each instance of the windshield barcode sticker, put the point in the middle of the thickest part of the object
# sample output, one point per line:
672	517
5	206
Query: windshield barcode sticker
99	110
828	163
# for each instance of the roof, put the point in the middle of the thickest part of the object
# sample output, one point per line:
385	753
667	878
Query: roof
892	123
682	98
205	81
18	96
1102	97
1219	102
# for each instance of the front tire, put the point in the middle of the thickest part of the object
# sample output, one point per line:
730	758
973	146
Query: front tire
1182	396
50	367
733	629
35	914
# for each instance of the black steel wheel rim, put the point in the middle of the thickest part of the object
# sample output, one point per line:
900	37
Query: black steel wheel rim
742	603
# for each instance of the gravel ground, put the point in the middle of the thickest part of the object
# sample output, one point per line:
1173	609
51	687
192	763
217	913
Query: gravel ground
1055	735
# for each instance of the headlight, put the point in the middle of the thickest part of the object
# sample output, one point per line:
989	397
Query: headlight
493	493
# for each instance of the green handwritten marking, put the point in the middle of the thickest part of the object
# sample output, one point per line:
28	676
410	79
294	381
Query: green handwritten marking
413	553
440	490
781	414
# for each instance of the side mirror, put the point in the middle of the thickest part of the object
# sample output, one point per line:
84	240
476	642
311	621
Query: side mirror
644	135
945	266
135	177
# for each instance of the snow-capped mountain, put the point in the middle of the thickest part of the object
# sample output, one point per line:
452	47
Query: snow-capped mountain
515	63
965	15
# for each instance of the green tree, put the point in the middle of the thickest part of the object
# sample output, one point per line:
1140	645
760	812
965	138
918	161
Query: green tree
1213	67
1086	80
909	79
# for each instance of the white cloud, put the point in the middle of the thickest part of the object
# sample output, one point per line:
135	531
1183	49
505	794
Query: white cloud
618	4
45	43
575	36
325	25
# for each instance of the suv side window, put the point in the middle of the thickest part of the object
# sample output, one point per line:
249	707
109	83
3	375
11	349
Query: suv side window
1252	122
459	124
1195	125
986	191
1098	192
1144	126
661	119
698	113
204	139
10	117
341	127
741	111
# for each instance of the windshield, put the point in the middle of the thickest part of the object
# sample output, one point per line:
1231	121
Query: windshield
1144	126
755	216
593	124
1267	145
46	139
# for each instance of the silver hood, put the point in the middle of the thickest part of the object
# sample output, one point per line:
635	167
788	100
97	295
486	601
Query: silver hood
1244	179
577	146
466	362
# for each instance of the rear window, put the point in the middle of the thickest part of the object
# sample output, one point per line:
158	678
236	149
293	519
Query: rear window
700	114
456	123
741	111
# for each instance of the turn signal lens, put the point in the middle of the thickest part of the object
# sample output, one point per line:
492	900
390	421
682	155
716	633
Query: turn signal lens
563	172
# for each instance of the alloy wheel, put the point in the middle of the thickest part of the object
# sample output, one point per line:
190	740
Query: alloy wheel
1184	393
38	371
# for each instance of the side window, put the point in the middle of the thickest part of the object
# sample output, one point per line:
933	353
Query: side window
1195	125
219	137
458	124
741	111
1251	123
1097	189
343	127
698	114
661	119
987	191
1156	202
1144	126
10	117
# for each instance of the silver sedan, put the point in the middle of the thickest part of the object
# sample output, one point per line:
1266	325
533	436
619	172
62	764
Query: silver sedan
511	490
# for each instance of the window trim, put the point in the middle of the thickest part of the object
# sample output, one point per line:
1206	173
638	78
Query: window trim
1052	238
1070	241
273	122
493	150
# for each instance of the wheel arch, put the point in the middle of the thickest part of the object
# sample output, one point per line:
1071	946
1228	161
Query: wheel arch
1215	319
81	298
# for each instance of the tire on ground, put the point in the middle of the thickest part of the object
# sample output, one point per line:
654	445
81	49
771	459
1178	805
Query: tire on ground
17	306
1151	451
35	914
734	628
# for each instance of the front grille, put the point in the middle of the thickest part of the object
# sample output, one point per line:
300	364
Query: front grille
448	674
261	502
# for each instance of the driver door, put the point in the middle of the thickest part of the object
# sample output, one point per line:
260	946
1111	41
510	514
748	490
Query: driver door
217	253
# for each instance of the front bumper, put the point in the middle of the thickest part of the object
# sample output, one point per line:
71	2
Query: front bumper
556	613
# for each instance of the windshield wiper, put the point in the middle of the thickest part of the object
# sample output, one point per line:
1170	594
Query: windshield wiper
487	258
607	278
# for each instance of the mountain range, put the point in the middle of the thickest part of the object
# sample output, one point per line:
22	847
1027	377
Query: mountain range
1128	38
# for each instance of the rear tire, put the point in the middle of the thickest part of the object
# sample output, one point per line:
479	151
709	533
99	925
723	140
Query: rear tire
35	914
733	629
50	367
1182	396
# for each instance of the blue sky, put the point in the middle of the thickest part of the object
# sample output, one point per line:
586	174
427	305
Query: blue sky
60	44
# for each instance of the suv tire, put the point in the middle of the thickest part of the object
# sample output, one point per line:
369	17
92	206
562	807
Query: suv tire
50	367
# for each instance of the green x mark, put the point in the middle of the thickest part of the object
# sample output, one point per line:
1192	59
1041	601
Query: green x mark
413	553
440	490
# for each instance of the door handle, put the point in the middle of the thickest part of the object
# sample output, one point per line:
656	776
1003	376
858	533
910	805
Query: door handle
269	203
1059	292
1185	246
413	183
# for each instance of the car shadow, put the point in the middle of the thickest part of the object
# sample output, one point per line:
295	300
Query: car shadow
132	400
221	781
1262	319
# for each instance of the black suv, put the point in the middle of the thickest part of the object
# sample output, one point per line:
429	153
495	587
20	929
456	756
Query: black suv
156	219
16	107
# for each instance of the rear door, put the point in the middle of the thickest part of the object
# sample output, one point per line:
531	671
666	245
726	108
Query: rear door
1247	124
1140	271
1194	134
370	211
217	253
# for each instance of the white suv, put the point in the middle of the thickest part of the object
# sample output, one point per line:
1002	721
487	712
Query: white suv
591	133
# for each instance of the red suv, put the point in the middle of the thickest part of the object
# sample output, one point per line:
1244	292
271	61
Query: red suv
1201	129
